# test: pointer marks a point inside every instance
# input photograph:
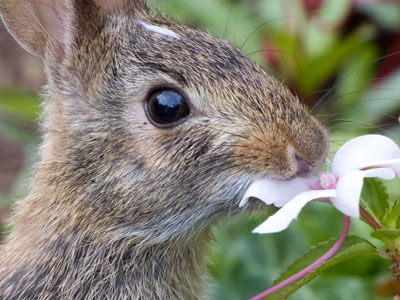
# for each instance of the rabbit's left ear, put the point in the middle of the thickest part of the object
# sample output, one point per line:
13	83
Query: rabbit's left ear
49	26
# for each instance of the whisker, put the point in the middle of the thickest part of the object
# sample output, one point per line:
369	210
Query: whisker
271	21
347	75
227	20
273	50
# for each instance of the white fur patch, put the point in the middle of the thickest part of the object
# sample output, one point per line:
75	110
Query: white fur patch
159	30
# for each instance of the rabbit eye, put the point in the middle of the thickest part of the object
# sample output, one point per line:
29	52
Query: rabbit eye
166	108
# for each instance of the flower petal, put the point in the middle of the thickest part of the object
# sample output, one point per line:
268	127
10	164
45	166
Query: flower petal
393	164
366	151
277	192
283	217
349	189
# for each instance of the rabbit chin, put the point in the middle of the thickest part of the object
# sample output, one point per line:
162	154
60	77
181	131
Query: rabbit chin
254	204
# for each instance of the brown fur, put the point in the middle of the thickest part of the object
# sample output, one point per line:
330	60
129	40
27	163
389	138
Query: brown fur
118	208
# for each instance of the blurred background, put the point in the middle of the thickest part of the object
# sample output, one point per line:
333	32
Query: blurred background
342	59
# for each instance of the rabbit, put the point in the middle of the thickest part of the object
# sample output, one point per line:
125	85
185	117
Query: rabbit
151	133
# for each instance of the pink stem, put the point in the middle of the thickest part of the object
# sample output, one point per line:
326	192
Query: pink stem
314	265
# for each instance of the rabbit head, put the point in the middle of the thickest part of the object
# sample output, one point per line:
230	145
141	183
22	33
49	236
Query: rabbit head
151	128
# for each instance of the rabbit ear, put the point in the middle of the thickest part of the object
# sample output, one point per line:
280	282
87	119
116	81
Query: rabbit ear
49	25
39	26
36	24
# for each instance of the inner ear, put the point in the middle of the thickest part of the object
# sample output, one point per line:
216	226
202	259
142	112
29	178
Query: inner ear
55	18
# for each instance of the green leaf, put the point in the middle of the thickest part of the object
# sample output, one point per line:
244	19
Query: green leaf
388	236
375	199
352	247
391	218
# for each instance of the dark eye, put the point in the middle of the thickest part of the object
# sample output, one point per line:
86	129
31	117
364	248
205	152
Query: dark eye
166	108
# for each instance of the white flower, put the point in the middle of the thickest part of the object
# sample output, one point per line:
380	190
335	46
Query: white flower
361	157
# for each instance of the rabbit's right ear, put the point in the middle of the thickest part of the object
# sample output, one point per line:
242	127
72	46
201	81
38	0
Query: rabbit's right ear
50	25
36	24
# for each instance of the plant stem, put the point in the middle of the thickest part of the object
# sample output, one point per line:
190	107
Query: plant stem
370	221
395	270
314	265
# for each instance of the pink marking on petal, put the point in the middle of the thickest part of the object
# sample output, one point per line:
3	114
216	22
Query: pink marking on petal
327	180
314	265
315	185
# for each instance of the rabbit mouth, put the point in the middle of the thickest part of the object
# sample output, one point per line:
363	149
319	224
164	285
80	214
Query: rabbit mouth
275	192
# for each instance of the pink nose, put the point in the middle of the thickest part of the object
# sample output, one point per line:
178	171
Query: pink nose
303	167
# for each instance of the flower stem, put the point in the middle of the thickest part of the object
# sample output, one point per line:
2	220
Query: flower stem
370	220
314	265
395	269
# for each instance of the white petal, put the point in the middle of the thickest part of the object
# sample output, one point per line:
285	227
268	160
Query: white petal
349	189
394	164
277	192
283	217
366	151
383	173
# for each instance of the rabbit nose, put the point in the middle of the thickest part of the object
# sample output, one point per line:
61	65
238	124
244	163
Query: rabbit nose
303	167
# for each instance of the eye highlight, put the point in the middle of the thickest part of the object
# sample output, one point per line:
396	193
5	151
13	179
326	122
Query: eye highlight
166	108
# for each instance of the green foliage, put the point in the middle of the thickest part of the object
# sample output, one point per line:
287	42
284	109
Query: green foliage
386	15
388	236
352	247
392	217
18	103
317	70
375	199
244	263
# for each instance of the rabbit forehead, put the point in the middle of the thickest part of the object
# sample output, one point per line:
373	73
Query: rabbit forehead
209	65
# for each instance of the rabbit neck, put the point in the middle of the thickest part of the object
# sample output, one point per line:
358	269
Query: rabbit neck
72	267
54	253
